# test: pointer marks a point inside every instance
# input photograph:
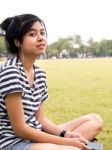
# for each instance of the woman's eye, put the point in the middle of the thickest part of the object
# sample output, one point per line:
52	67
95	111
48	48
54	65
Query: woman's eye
32	34
43	33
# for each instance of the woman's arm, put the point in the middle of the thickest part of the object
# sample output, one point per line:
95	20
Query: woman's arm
47	125
22	130
51	128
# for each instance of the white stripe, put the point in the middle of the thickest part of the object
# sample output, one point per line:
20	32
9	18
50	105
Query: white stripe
31	100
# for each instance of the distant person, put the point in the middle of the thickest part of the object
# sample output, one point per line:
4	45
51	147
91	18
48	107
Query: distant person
23	91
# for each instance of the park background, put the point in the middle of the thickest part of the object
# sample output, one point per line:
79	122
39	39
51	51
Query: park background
80	86
78	60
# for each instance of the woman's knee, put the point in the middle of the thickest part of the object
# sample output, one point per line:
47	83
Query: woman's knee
97	119
49	146
42	146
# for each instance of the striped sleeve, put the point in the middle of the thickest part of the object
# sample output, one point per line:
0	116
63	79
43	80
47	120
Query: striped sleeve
9	81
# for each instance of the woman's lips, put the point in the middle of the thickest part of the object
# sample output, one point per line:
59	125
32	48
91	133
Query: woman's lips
41	46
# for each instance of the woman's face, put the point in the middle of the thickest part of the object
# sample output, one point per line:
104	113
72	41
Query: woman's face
34	41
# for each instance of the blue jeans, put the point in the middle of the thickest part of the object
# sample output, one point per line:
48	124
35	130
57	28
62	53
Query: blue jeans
22	145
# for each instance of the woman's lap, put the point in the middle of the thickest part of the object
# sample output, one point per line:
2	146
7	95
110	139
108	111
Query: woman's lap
22	145
49	146
26	145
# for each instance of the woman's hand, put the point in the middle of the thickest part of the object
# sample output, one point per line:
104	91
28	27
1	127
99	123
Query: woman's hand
78	136
75	142
78	139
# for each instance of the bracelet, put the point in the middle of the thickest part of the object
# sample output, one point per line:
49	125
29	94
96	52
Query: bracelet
62	133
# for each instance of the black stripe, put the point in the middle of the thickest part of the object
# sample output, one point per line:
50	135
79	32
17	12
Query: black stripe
13	73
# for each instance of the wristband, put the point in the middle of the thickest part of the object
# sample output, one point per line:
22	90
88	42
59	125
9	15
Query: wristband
63	132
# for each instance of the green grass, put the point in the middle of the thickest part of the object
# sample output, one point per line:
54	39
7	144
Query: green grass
80	86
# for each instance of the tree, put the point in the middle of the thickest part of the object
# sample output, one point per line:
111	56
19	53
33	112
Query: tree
2	45
78	42
56	48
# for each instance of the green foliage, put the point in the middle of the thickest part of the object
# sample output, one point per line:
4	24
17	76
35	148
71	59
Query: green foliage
75	46
109	52
55	48
78	87
2	45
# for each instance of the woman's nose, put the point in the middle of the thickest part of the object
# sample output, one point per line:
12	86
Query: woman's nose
40	37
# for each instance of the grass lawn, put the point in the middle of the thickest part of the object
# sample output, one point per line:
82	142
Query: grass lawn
80	86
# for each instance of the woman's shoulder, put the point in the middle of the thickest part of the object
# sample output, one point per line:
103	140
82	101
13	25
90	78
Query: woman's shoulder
40	73
9	66
38	69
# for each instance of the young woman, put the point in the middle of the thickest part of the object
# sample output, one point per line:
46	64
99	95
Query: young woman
23	90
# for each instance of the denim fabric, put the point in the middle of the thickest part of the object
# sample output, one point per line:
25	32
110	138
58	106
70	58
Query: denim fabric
23	145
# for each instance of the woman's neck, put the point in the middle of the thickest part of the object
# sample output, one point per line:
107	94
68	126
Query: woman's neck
27	62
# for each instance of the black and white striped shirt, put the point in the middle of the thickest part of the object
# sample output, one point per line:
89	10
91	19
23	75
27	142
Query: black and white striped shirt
13	79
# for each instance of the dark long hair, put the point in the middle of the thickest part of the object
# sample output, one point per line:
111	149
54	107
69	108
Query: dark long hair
16	27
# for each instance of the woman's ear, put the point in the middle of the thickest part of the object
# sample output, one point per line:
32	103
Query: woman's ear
17	43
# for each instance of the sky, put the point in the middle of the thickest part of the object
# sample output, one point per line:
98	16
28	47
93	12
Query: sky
63	18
